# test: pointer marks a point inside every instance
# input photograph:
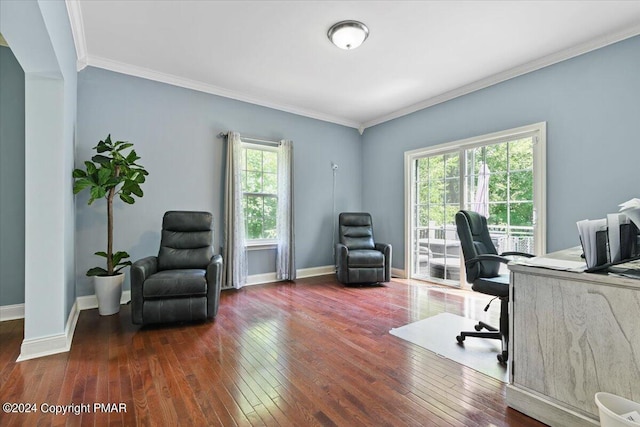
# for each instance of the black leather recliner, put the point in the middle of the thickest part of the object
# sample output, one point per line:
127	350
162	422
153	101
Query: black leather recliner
482	266
183	282
358	258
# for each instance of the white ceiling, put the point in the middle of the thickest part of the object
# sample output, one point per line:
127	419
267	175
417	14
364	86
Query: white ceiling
276	53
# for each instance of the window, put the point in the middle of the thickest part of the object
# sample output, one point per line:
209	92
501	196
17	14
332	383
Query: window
260	192
500	175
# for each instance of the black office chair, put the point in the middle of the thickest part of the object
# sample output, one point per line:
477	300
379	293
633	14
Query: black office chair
482	265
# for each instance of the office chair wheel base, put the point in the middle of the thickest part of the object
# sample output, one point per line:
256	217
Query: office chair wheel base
503	357
460	339
478	327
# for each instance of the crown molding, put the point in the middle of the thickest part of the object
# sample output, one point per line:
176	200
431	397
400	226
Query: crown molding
537	64
77	30
84	59
171	79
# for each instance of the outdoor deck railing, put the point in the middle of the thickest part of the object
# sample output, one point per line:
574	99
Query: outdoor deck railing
505	238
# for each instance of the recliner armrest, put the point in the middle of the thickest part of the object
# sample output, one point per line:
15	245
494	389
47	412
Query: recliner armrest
140	271
214	285
214	269
145	267
342	266
385	248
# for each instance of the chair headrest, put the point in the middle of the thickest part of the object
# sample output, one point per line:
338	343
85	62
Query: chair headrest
477	223
476	240
355	219
186	221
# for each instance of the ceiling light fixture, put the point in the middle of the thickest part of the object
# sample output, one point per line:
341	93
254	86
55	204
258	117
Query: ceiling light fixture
348	34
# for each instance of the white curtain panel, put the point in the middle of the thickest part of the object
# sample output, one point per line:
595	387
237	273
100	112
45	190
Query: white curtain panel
285	259
234	251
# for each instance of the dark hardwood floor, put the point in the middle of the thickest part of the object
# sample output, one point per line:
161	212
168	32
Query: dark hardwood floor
291	354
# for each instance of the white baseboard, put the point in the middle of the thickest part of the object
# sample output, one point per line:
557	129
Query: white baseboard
89	302
54	344
316	271
399	273
258	279
46	346
11	312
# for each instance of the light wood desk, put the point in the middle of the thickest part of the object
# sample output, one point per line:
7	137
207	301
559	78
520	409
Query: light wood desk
572	335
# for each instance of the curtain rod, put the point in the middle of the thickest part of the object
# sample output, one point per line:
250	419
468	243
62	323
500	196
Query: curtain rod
250	139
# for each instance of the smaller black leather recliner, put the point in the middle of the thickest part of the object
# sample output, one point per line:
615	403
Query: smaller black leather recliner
359	259
183	282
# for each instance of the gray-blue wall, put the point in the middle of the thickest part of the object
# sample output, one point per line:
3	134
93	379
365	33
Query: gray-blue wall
174	131
591	104
11	179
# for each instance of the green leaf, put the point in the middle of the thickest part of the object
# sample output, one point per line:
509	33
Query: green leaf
97	271
123	265
132	157
140	178
99	158
127	199
118	256
98	192
137	190
101	253
113	181
103	175
91	168
132	187
79	173
101	147
123	145
81	184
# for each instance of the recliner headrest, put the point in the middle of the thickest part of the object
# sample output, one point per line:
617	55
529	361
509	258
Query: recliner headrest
186	221
355	219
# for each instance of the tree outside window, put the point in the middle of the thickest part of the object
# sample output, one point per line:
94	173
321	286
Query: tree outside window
260	191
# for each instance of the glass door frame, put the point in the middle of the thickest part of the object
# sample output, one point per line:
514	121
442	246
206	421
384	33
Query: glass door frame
537	131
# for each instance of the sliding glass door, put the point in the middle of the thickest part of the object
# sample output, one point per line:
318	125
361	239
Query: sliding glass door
436	200
501	176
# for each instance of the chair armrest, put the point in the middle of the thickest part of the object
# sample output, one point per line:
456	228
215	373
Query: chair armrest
214	285
522	254
385	248
342	267
487	257
143	268
140	271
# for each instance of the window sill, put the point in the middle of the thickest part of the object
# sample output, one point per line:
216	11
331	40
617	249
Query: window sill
258	245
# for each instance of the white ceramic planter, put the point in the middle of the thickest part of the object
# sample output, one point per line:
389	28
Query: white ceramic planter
108	291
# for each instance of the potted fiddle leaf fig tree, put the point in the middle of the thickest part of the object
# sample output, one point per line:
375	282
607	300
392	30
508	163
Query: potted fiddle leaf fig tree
112	172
